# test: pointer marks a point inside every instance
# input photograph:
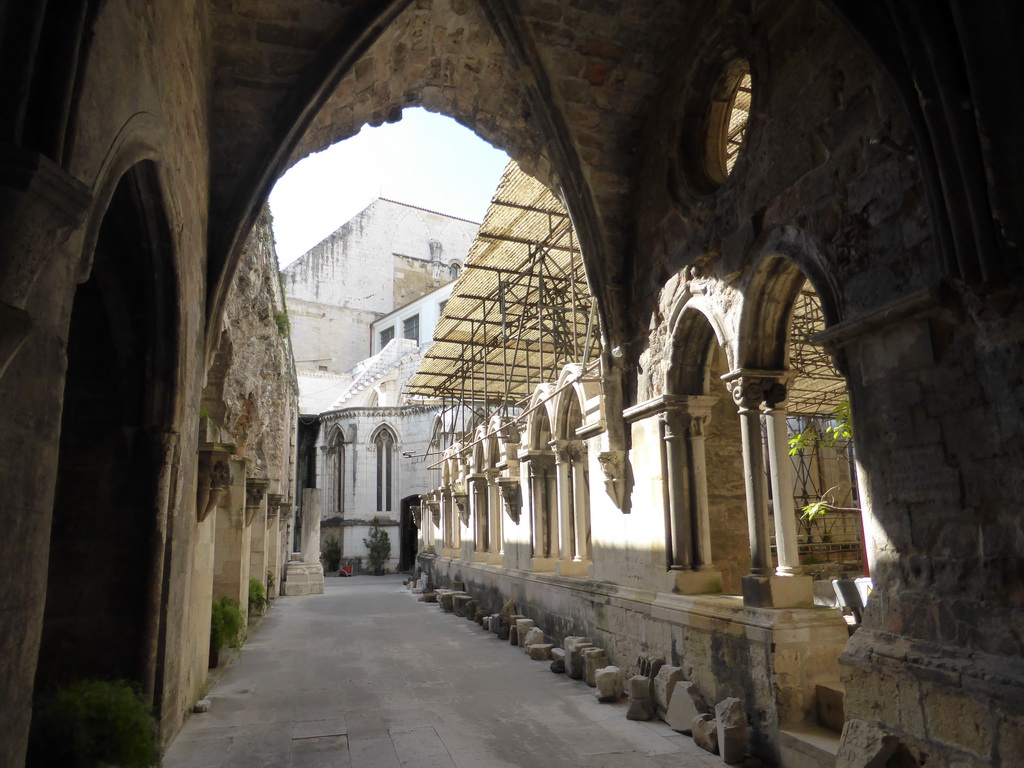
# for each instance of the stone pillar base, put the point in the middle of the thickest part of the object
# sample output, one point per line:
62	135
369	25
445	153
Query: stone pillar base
480	557
576	569
495	558
542	564
693	582
303	579
778	591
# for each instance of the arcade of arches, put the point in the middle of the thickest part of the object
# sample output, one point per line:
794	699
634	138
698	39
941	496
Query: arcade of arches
714	158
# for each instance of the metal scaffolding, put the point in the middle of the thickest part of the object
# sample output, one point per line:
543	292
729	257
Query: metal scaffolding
521	311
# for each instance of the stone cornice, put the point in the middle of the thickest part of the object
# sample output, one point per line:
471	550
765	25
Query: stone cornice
663	403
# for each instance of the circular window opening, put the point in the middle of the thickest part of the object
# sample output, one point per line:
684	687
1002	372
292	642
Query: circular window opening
727	127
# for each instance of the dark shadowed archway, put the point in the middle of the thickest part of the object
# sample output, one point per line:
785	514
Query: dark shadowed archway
105	581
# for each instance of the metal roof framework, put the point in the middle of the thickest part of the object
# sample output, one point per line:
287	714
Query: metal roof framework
521	310
817	388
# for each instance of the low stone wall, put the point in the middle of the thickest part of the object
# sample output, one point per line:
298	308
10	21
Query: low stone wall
771	659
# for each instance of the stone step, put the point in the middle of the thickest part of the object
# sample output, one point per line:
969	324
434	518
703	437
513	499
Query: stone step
808	746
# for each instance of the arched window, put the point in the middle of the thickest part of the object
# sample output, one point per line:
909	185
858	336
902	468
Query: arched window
385	447
453	270
336	468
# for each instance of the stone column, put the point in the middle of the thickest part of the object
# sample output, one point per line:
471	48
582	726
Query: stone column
480	510
691	571
748	392
311	498
256	517
231	540
761	588
306	576
580	503
497	549
563	486
781	471
539	466
702	516
681	523
273	543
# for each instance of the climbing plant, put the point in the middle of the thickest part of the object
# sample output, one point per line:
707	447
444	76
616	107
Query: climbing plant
812	439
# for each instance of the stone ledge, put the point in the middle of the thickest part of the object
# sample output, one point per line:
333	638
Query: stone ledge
994	678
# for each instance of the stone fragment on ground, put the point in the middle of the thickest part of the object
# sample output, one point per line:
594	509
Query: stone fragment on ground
639	690
522	627
593	660
558	660
664	684
705	733
534	635
608	682
732	729
539	651
681	709
649	666
574	647
864	745
203	705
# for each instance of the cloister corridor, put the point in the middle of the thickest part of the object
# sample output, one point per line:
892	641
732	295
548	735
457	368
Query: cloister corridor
365	676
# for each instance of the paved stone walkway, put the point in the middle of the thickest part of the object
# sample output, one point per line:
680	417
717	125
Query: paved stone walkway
367	677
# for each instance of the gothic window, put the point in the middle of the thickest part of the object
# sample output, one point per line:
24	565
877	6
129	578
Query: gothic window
453	271
337	459
385	447
411	328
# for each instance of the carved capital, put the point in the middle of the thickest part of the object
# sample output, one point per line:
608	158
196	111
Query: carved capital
462	504
613	465
274	501
255	490
748	391
751	388
512	495
214	478
698	425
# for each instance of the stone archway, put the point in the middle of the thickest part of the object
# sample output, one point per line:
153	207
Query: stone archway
105	591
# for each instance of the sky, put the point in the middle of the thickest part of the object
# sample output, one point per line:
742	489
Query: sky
425	159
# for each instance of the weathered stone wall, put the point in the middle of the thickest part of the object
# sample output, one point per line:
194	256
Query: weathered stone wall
761	656
254	395
386	256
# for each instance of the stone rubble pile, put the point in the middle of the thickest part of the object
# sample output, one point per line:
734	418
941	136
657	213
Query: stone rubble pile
658	689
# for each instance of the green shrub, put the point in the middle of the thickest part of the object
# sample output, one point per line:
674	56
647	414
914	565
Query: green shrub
257	596
227	623
379	544
330	553
283	323
93	723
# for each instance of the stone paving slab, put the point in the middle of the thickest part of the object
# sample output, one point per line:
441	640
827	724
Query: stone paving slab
365	676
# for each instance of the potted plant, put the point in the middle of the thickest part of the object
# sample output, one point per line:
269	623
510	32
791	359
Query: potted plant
226	626
330	553
93	723
379	544
257	597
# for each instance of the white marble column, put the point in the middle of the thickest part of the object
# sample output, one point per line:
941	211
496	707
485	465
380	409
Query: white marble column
781	471
580	504
563	484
